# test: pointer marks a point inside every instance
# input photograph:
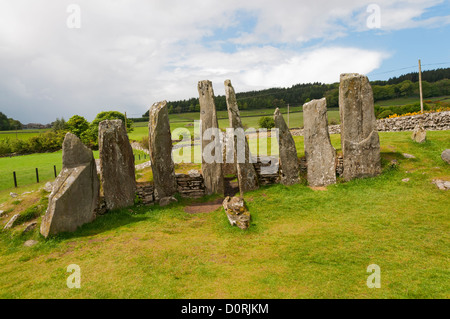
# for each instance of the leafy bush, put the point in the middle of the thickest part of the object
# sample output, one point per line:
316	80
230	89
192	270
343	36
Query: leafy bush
266	122
385	114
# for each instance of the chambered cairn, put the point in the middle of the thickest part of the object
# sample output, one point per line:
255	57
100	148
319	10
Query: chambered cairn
246	173
289	166
117	171
74	198
212	156
359	136
320	154
163	168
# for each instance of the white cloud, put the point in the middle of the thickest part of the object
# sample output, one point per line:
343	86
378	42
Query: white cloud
129	54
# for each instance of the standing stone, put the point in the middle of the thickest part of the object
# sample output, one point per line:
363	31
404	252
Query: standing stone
116	165
320	154
446	156
212	172
289	168
248	180
359	135
74	198
419	134
163	167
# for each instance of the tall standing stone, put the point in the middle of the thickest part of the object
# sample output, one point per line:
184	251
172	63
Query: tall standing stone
289	168
320	154
247	178
163	167
117	171
74	198
359	135
212	172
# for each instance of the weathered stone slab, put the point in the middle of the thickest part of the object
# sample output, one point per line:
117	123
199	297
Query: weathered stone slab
359	136
163	167
212	170
247	178
289	167
446	156
419	134
11	222
74	198
236	212
320	154
117	172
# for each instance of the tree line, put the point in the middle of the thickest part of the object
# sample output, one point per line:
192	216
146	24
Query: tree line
434	83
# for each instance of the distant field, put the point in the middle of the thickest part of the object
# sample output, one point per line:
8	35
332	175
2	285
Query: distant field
410	100
25	168
249	120
21	134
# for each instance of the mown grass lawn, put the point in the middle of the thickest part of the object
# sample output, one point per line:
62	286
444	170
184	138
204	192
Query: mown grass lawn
301	244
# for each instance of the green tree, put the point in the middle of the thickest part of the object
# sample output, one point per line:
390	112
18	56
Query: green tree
59	125
77	125
90	136
266	122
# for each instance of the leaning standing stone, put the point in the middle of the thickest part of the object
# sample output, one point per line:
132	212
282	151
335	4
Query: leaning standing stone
320	154
74	198
212	171
289	168
163	167
359	135
116	165
248	180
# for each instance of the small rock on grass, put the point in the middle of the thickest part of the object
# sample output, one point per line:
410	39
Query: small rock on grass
442	185
30	227
30	243
405	180
13	195
236	212
406	155
167	201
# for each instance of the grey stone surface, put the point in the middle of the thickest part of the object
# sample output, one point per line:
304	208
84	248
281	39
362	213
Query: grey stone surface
406	155
446	156
48	187
289	165
236	212
11	221
74	198
359	136
163	167
212	172
30	243
30	227
13	195
441	184
247	178
419	134
117	171
320	154
167	201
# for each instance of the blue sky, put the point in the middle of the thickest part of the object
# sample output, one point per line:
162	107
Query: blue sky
126	55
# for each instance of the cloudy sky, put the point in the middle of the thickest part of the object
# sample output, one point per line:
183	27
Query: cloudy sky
60	58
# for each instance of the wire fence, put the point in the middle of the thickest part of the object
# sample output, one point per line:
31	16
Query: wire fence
28	176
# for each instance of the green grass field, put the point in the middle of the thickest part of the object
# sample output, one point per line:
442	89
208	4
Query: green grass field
21	134
301	244
25	168
249	120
